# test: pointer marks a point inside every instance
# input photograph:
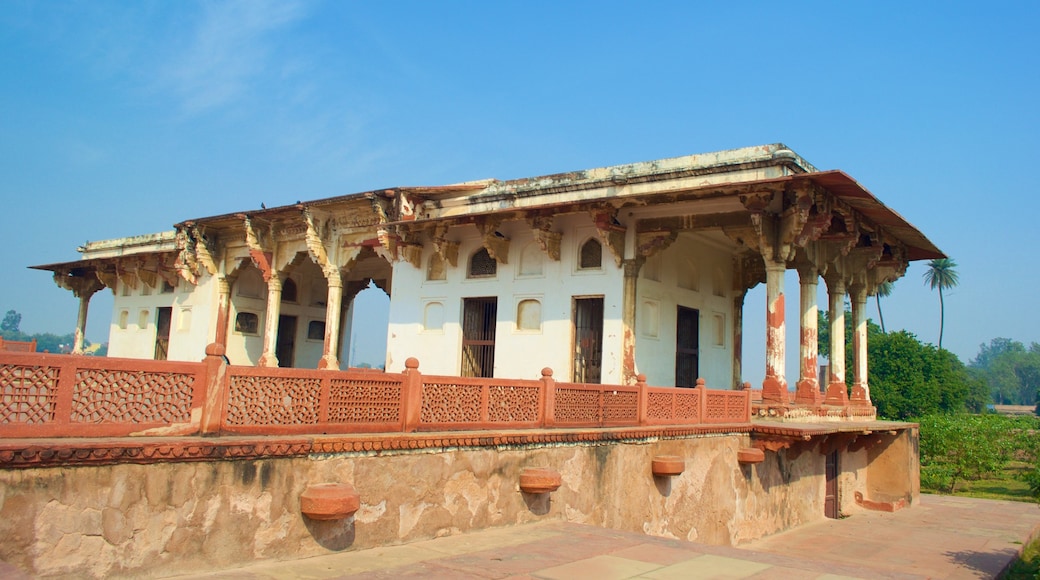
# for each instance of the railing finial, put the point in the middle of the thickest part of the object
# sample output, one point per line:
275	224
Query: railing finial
411	363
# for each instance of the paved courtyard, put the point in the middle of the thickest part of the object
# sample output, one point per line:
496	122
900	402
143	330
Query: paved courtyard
943	537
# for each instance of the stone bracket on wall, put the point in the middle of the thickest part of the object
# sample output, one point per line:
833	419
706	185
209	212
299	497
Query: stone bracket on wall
612	232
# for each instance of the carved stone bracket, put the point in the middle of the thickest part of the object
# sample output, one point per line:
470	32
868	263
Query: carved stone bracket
317	234
648	244
259	251
493	241
445	248
548	240
81	286
749	270
612	232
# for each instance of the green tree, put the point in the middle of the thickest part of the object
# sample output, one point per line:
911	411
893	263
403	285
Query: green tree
884	290
959	447
941	274
911	379
1011	372
11	321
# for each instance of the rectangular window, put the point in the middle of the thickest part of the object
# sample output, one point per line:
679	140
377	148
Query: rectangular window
588	340
479	317
687	341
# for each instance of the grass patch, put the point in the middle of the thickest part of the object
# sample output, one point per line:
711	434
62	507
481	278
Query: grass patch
1028	566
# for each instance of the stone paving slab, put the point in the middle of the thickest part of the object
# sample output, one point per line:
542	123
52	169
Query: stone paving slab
943	537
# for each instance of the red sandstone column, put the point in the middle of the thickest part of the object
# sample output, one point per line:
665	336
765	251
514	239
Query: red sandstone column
808	390
837	392
274	308
774	387
223	310
329	359
860	390
628	320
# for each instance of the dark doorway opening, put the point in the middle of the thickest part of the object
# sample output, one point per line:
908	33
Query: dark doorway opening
830	499
479	316
588	340
163	317
687	345
285	344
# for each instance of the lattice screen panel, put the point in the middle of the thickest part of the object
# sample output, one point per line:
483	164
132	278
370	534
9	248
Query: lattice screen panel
513	404
273	401
364	402
449	403
687	405
28	394
104	396
577	405
620	406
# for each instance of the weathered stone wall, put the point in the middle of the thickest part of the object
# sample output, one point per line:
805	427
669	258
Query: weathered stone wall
124	520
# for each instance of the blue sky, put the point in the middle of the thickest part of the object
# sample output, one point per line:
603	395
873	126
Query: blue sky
122	118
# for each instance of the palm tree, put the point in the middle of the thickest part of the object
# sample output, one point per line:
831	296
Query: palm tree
883	289
941	274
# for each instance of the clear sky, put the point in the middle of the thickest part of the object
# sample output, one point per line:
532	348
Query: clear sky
123	118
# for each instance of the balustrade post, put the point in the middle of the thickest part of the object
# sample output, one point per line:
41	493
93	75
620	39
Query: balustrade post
215	390
747	402
548	398
411	396
643	396
702	406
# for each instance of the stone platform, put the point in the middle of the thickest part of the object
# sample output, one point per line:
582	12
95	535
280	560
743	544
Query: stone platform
943	537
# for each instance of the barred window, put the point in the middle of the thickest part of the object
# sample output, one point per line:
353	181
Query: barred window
591	255
482	265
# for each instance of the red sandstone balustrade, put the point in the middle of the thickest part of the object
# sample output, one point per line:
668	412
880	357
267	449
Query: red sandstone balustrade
264	400
53	395
17	345
66	396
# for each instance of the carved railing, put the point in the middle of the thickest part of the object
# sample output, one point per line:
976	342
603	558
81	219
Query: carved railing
17	345
276	400
44	395
53	395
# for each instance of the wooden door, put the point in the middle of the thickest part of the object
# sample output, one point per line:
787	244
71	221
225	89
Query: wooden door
830	499
479	318
588	340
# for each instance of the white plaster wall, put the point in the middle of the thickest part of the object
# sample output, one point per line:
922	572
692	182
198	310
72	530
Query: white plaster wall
191	315
655	343
518	353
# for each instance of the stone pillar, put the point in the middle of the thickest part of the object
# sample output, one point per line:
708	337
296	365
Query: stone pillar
628	320
81	324
274	309
774	387
808	389
329	359
223	310
860	390
84	289
837	392
738	339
